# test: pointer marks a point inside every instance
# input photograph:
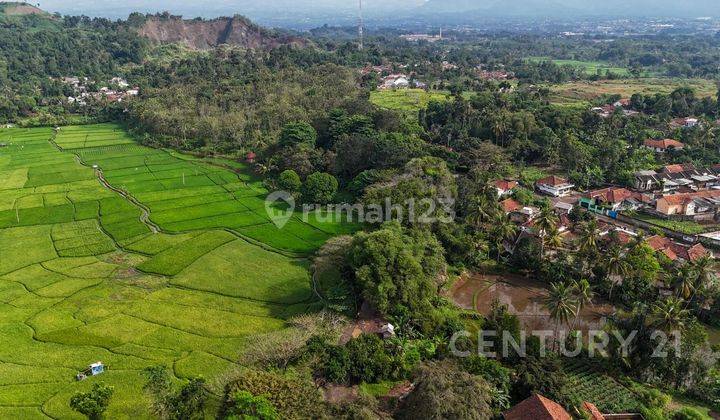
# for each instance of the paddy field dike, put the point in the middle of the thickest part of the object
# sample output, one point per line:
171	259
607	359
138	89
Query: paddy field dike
115	252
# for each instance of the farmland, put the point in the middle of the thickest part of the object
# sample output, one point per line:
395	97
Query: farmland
590	67
582	92
173	262
409	100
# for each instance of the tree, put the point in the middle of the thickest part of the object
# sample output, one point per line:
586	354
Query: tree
443	391
94	402
289	181
184	403
561	303
589	237
583	296
246	406
546	221
396	270
615	266
669	315
298	134
319	188
502	229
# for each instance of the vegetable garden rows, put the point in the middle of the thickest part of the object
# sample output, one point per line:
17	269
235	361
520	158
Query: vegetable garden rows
83	279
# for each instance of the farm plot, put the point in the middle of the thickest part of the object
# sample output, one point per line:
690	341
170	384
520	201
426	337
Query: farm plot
588	383
187	194
82	278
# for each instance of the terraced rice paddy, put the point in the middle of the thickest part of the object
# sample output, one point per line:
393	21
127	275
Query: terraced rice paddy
85	277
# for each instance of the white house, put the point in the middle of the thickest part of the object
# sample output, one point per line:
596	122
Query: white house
554	186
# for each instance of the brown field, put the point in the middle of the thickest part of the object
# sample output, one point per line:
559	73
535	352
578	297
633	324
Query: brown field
577	93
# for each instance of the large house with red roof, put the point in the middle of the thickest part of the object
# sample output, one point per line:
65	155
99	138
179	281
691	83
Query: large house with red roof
701	205
555	186
664	145
616	198
537	407
675	251
505	187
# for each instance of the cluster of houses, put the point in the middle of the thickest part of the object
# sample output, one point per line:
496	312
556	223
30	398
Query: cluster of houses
607	110
82	91
400	81
699	202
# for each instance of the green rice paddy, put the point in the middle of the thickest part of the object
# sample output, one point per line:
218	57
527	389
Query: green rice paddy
174	262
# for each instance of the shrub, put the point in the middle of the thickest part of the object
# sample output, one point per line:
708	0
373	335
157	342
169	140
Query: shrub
249	407
319	188
298	133
687	413
289	181
94	402
654	398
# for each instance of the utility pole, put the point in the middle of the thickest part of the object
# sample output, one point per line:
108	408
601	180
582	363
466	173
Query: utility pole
361	30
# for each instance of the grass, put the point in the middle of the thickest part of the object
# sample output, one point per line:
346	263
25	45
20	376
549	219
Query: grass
84	278
687	227
590	67
410	100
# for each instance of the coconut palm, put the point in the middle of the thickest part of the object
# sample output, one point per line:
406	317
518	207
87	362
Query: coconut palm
553	239
481	211
546	221
561	304
615	266
705	278
583	297
669	315
683	281
503	229
589	237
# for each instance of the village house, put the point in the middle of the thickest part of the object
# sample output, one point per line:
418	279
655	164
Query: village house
682	178
554	186
684	123
697	206
677	252
616	198
504	187
510	206
662	146
537	407
395	81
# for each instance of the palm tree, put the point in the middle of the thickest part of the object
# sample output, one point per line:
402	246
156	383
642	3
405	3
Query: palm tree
481	211
553	239
546	221
669	315
589	237
503	229
583	297
684	281
561	304
705	275
615	266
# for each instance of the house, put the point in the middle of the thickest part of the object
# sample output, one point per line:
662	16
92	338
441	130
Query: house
675	251
675	177
703	203
504	187
537	407
563	208
250	157
615	198
387	331
624	103
554	186
592	411
510	206
395	81
684	123
662	146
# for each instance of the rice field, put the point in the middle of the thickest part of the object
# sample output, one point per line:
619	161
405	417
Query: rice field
115	252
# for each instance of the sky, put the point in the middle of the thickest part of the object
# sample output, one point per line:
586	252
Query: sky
330	11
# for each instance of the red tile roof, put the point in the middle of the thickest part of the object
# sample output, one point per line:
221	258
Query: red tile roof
696	252
505	185
591	409
510	205
537	407
553	181
675	199
663	144
612	195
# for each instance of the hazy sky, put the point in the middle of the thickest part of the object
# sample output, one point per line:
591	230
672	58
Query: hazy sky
326	9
